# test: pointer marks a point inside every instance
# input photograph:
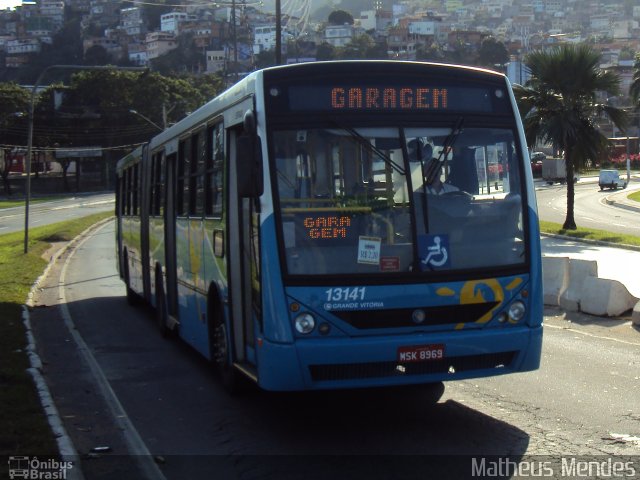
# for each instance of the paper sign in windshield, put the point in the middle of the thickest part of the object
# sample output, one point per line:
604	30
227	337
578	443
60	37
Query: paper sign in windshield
369	250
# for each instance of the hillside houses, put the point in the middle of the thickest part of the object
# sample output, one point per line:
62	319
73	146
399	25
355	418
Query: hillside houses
406	29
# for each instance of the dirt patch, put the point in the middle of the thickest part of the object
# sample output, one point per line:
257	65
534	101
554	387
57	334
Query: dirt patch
52	250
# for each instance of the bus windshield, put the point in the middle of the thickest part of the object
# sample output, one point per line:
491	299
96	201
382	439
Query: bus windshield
398	199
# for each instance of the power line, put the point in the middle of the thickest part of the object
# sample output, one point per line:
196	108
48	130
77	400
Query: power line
203	4
73	149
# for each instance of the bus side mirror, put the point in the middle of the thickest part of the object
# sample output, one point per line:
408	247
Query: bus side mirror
249	166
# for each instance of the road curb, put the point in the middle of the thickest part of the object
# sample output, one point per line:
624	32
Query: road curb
66	448
602	243
614	203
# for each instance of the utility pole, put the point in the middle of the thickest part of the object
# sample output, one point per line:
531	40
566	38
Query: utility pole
278	34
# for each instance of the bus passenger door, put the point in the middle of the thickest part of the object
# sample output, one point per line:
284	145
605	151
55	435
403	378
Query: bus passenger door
242	261
170	234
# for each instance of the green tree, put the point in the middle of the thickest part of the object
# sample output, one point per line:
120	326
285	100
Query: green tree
14	105
326	51
461	53
206	87
430	53
340	17
361	47
559	105
66	49
96	55
266	58
492	53
627	53
634	89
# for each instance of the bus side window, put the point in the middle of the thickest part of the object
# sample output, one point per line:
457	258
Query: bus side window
182	192
156	184
214	171
160	188
196	180
129	190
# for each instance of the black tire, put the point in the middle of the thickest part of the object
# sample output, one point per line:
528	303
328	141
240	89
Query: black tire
433	392
161	307
221	348
132	297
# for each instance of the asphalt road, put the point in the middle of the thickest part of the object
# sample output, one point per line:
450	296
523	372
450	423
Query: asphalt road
591	209
116	382
45	213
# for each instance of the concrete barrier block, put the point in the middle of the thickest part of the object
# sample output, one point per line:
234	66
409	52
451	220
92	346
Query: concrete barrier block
605	297
635	315
555	278
579	271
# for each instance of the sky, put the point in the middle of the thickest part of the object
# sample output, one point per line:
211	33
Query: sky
9	3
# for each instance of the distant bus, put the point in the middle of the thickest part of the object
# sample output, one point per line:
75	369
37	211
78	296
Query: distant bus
290	229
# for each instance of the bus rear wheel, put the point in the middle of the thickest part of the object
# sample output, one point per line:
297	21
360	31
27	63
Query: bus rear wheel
132	297
161	307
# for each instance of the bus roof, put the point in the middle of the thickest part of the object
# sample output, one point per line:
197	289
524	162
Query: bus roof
130	158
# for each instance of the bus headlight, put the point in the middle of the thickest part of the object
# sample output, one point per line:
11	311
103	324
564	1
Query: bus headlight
516	311
305	323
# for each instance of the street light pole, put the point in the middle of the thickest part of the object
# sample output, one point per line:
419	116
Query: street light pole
148	120
30	129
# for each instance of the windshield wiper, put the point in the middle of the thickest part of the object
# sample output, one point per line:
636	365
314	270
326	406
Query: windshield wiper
433	169
372	148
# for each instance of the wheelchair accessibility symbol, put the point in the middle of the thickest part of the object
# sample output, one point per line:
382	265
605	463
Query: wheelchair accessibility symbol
434	251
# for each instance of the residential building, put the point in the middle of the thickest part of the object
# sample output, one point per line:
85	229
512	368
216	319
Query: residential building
131	21
159	43
339	35
170	22
112	46
137	53
216	61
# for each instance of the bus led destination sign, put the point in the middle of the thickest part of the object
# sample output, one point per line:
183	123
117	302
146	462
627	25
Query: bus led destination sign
392	98
327	227
388	98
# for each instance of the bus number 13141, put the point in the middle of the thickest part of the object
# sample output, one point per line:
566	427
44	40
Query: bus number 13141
348	293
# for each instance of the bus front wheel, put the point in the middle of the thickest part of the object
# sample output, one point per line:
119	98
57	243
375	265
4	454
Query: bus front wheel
220	345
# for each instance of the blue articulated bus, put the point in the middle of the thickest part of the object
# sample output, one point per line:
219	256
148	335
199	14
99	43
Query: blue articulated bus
341	224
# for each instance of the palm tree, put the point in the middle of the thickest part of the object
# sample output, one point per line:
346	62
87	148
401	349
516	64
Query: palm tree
559	106
634	89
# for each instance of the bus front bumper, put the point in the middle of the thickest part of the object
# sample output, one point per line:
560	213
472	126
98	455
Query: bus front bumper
332	363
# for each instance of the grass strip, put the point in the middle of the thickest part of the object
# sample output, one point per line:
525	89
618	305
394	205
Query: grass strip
635	196
589	234
24	427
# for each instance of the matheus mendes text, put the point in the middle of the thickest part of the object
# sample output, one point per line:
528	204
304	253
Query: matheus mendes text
567	468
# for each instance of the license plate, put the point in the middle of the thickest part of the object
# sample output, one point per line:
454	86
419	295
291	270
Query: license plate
421	353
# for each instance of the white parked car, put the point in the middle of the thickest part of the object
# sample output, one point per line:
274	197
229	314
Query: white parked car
611	179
